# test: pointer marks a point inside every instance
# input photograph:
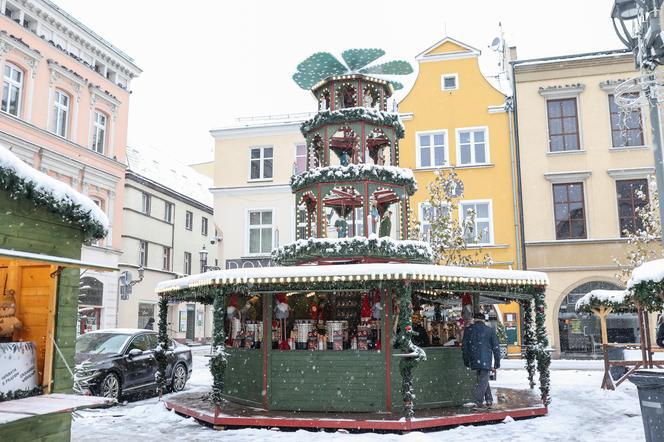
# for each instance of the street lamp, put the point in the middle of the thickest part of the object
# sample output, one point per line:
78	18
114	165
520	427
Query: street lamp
648	49
204	257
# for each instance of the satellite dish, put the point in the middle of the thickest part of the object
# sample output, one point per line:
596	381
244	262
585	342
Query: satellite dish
495	44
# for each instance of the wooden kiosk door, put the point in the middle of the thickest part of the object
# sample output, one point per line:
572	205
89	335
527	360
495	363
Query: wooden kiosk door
191	321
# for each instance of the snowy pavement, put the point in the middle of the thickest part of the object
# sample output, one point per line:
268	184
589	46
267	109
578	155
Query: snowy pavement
580	411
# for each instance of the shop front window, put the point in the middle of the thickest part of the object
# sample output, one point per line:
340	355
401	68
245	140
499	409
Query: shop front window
580	334
90	302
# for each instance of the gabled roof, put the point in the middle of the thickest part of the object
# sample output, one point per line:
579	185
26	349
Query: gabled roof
447	48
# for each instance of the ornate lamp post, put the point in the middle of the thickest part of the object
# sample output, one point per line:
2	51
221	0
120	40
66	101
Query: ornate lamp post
204	257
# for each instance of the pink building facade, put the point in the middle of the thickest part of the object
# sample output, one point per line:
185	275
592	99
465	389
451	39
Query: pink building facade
64	111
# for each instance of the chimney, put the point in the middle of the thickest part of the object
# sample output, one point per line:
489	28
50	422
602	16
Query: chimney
512	53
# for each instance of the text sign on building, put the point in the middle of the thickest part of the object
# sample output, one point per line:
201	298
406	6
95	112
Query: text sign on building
249	263
17	366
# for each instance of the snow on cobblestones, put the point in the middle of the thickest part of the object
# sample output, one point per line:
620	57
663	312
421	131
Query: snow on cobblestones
580	411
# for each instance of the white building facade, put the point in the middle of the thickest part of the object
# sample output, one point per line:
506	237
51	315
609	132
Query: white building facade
168	221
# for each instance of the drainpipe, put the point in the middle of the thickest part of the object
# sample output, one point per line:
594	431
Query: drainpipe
517	159
509	105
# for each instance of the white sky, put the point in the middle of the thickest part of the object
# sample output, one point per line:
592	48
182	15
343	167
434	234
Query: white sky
207	62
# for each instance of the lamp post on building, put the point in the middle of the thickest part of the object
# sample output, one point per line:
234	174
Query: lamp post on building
125	284
643	16
204	257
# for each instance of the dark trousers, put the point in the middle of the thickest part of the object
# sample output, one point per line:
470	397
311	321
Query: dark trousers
483	390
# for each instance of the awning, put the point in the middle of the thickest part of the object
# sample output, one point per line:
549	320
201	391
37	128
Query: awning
55	260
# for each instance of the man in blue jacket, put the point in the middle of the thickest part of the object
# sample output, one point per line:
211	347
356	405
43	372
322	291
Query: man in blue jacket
480	342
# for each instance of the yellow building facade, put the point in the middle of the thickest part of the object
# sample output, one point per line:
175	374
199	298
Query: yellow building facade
455	118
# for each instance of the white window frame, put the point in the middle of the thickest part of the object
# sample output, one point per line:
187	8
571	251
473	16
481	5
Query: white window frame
13	84
143	253
248	227
168	212
472	131
146	203
462	216
443	77
189	220
98	128
166	258
186	265
301	225
262	158
204	226
418	154
420	213
296	156
60	108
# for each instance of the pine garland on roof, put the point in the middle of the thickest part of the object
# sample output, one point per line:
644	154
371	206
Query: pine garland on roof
351	114
356	172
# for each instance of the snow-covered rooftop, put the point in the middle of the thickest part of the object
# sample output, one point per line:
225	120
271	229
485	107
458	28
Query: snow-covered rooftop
349	272
573	57
162	169
602	297
648	271
55	195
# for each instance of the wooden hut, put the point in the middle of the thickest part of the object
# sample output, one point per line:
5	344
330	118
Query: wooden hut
43	224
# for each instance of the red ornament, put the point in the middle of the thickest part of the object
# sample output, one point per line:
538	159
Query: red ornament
313	310
366	308
408	328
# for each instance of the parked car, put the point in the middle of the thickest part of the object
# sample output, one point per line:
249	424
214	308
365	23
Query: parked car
114	362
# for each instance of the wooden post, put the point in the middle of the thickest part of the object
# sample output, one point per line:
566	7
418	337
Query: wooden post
639	313
647	343
602	313
607	382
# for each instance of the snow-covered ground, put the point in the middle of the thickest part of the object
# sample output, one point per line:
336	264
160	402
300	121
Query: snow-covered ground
580	411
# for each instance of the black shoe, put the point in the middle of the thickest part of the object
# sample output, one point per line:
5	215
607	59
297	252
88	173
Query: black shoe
489	405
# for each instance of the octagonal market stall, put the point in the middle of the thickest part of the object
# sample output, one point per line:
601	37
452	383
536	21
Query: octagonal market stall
356	328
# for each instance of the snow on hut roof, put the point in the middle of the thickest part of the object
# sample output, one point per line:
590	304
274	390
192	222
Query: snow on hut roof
601	297
349	272
22	180
162	169
648	271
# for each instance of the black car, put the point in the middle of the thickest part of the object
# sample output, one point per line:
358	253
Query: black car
114	362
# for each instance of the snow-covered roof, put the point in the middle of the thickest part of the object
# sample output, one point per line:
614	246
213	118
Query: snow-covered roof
21	180
606	298
572	57
350	272
649	271
160	168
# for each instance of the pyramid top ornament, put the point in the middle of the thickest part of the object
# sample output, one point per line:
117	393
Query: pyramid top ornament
323	65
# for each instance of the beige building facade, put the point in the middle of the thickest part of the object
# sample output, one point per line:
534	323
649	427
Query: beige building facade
582	161
254	208
167	217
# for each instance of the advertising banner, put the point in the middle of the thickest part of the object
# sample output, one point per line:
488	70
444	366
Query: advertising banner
18	369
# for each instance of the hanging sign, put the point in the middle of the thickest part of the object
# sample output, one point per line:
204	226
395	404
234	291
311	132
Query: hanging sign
18	369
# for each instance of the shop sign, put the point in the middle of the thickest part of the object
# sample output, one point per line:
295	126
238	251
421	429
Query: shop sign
18	370
249	263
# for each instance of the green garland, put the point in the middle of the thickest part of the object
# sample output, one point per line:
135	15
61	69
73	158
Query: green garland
355	172
372	247
21	394
543	357
351	114
405	344
219	358
529	340
67	210
649	294
162	348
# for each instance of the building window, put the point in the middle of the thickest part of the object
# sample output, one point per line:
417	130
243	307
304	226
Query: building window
481	231
569	210
300	158
427	215
204	226
432	149
145	312
12	89
60	113
260	232
260	164
187	263
626	125
143	253
145	203
449	82
563	125
99	132
188	220
168	212
473	147
632	196
166	261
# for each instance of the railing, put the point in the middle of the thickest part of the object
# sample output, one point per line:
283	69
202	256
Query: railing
646	361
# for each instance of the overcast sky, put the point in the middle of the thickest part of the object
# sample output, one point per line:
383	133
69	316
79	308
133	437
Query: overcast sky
207	62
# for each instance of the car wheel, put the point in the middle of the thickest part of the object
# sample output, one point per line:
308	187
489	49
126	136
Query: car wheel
179	378
110	386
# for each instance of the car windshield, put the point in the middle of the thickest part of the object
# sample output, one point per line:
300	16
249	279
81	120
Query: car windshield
101	343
